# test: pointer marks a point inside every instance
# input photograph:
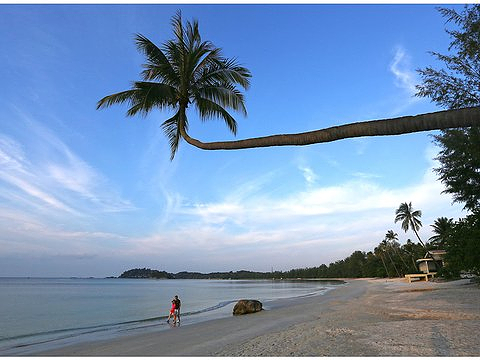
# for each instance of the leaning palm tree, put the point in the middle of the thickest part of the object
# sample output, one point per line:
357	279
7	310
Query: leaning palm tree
410	219
391	236
392	239
378	252
441	227
187	70
385	247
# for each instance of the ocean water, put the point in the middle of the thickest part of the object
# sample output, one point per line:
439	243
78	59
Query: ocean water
39	314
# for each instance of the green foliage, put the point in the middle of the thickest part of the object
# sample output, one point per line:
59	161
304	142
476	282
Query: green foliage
410	218
442	228
455	87
463	247
459	167
458	85
145	274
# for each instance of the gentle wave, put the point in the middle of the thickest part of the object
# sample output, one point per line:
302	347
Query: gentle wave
32	339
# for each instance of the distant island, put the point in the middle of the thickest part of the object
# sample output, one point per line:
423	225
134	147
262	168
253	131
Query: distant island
146	274
231	275
156	274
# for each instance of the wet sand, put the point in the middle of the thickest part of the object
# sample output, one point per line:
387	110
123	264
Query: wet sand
366	317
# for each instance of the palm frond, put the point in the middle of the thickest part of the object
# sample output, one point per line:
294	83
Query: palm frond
142	98
203	65
225	71
171	128
209	110
151	51
118	98
235	73
192	35
178	27
225	95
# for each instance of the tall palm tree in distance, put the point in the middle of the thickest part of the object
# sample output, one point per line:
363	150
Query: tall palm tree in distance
410	219
378	251
187	70
386	250
391	236
392	239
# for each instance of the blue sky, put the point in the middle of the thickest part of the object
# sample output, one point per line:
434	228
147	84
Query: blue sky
92	193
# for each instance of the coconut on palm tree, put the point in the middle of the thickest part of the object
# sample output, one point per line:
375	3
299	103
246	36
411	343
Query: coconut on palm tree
188	71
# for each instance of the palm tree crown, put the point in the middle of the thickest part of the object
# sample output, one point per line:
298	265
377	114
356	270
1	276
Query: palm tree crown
409	218
391	236
186	70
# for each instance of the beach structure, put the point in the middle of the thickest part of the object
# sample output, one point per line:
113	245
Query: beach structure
428	266
437	256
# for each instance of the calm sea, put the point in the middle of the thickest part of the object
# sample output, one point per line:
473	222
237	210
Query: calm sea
38	314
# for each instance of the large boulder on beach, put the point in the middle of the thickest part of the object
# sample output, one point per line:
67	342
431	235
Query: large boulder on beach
247	307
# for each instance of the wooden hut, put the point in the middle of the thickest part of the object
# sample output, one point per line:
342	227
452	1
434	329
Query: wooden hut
428	266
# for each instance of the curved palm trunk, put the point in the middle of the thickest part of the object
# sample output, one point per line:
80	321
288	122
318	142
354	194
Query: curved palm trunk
391	260
413	262
385	266
396	126
401	258
418	237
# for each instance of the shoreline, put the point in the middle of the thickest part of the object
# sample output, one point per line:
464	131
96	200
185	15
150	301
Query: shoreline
365	317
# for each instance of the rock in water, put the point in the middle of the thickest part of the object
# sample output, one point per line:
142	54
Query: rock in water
247	307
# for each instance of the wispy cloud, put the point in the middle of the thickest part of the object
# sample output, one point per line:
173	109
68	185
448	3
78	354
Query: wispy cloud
42	169
401	68
363	175
31	233
309	175
246	228
405	79
50	198
318	223
16	172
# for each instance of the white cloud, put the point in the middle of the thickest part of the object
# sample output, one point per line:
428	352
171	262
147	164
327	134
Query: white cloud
363	175
400	67
309	175
51	199
42	170
249	226
16	173
315	225
29	233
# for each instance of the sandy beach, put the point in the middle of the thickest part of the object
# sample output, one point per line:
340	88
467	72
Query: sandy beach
366	317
